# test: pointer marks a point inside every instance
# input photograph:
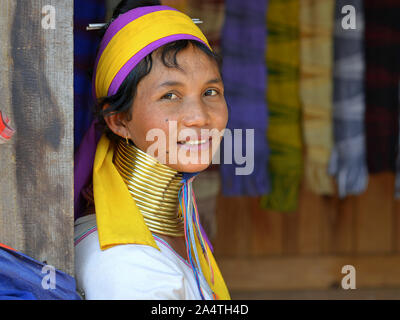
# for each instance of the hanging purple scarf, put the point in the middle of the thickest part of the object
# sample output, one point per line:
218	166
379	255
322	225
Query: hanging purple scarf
244	75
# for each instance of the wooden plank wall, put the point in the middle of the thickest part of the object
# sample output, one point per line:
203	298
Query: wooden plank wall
36	167
264	250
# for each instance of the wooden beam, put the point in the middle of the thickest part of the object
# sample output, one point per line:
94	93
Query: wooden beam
374	215
311	272
36	181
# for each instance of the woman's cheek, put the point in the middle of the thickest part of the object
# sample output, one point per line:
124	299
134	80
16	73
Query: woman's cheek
221	117
162	135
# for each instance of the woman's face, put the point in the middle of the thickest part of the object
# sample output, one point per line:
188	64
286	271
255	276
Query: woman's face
180	106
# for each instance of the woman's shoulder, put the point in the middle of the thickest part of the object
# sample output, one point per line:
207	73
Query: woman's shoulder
87	241
129	271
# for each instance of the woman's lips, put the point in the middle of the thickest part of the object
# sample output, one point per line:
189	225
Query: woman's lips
195	145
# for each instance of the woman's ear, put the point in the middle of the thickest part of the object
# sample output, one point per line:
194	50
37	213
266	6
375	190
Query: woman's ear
117	123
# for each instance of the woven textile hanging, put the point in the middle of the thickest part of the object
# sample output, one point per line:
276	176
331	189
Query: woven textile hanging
316	40
243	71
348	161
382	54
284	129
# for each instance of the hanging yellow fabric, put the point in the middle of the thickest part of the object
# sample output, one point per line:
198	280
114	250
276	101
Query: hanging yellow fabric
316	60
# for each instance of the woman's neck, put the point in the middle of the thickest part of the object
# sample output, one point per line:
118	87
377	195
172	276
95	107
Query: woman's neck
154	187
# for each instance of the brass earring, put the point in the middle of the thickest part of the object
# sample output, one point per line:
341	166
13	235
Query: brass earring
127	140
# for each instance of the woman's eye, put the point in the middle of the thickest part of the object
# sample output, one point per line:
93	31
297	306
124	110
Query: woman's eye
170	96
211	92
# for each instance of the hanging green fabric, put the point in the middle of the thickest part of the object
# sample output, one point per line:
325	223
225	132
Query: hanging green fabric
284	131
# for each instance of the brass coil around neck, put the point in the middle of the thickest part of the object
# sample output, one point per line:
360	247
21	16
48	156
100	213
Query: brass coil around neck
154	187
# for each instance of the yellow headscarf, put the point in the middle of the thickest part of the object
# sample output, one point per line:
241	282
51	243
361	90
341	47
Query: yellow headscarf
132	36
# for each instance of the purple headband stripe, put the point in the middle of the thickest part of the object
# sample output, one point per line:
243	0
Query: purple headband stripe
118	24
132	62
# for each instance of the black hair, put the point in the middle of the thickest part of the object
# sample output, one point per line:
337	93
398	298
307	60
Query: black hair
122	101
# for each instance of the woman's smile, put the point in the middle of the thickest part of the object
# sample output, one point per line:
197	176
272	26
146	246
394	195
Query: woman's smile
195	145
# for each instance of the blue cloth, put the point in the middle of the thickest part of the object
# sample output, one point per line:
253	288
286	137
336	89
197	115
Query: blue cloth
85	47
348	161
243	72
21	278
16	295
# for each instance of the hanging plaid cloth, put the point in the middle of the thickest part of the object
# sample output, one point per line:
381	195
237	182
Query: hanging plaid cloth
397	179
243	71
6	132
382	53
316	26
348	160
284	132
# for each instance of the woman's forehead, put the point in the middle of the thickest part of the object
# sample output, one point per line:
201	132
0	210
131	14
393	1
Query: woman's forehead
190	61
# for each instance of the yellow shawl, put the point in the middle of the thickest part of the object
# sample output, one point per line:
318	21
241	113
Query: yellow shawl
119	220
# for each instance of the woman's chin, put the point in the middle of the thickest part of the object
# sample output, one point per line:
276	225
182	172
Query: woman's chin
190	167
192	161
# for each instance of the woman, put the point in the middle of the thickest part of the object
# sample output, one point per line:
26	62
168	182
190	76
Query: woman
161	102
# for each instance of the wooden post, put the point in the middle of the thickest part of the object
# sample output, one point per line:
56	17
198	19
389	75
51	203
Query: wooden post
36	93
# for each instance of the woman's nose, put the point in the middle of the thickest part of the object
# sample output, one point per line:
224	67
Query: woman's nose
195	114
